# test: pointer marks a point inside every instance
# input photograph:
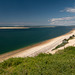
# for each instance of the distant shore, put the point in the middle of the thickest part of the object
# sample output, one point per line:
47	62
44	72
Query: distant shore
14	27
24	27
42	47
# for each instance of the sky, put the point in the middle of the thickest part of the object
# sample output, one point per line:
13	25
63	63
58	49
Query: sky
37	12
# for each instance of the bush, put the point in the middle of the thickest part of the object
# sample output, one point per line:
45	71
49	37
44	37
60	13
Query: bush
61	63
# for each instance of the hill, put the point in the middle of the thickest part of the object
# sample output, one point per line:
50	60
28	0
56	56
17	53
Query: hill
61	63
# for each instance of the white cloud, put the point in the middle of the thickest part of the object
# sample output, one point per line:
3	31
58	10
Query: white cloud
70	10
63	21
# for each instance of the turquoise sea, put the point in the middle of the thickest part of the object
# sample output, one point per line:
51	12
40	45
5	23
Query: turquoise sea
11	39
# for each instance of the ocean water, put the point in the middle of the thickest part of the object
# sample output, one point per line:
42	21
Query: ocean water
15	39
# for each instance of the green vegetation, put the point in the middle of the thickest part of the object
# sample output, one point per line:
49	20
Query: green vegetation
71	37
64	42
61	63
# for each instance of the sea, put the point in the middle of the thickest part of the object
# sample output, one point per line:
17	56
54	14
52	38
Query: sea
13	39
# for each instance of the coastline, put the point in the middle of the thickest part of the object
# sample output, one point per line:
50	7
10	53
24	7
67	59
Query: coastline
14	27
30	50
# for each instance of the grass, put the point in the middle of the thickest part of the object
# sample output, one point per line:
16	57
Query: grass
61	63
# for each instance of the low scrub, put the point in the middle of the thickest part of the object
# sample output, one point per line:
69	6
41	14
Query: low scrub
61	63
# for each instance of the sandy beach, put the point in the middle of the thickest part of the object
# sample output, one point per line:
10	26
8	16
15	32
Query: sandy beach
43	47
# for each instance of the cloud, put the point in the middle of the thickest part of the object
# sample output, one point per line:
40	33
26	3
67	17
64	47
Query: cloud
70	10
63	18
63	21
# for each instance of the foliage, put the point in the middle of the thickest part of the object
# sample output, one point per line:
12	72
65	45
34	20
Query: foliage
64	42
61	63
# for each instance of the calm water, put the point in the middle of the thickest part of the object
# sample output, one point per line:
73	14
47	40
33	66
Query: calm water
14	39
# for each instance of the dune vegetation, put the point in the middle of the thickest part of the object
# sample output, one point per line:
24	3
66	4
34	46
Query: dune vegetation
61	63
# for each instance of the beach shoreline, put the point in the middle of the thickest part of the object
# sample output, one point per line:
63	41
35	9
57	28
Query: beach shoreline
26	50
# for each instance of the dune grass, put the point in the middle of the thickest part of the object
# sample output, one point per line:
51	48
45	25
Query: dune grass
61	63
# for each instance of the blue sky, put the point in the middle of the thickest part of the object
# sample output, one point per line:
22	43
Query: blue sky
37	12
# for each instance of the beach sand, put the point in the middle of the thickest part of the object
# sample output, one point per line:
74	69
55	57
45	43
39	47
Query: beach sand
34	50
